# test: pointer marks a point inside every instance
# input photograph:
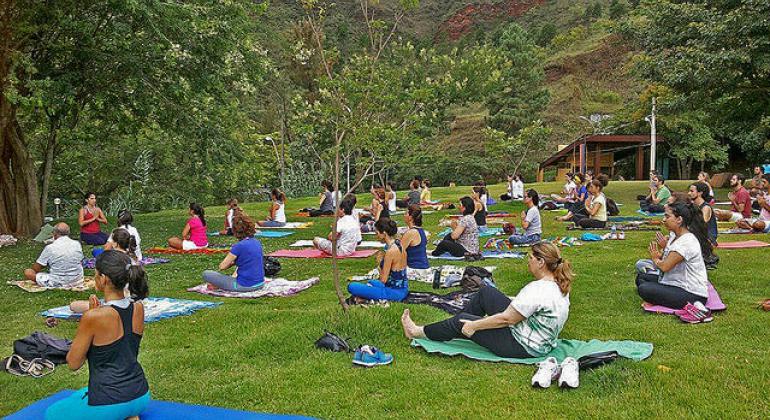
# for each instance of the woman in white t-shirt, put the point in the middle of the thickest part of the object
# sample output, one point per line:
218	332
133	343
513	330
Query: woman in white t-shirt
596	208
348	231
527	326
676	275
277	216
126	221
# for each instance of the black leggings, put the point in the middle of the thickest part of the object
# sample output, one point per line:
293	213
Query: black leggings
449	245
316	213
660	294
584	222
650	207
487	301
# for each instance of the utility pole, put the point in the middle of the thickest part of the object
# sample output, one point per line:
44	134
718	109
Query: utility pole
652	137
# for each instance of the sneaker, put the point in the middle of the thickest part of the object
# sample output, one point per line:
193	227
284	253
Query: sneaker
371	356
696	314
547	371
569	376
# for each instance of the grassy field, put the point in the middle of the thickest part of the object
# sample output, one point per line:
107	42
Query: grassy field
258	354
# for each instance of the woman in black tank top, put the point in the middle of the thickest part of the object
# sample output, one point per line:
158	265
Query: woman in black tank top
108	337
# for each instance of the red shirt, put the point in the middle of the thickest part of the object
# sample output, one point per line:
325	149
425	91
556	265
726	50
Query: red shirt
91	227
742	196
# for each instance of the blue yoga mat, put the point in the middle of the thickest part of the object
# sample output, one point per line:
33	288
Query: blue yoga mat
648	214
155	309
157	410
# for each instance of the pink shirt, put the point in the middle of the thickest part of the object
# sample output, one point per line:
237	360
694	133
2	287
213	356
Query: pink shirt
197	232
764	214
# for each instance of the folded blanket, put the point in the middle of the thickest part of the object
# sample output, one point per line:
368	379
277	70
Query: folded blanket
155	309
209	250
90	263
272	288
263	234
451	303
7	240
742	245
483	233
735	231
315	253
32	287
485	254
294	225
714	302
503	244
363	244
633	350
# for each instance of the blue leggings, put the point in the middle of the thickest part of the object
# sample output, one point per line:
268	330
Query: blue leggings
376	290
76	407
226	282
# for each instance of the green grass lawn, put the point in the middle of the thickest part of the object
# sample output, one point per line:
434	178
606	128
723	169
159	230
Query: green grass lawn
258	354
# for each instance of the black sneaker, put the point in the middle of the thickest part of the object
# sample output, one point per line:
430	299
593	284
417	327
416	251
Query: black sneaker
437	279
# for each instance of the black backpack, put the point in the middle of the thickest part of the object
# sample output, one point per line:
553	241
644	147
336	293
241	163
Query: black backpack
272	266
474	278
42	345
612	208
332	342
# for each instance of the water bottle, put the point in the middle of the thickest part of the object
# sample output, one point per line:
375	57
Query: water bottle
613	232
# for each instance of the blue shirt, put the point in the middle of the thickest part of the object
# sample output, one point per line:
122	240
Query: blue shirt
249	260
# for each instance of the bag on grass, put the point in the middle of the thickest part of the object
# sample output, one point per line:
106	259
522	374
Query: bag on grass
612	208
474	278
332	342
595	360
42	345
272	266
509	228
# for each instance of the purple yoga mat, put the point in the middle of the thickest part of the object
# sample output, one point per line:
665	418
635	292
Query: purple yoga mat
314	253
714	303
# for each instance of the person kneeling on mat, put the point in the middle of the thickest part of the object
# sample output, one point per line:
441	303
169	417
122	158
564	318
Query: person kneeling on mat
527	326
392	284
108	336
676	275
246	255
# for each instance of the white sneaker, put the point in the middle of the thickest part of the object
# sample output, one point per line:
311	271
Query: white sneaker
569	373
547	371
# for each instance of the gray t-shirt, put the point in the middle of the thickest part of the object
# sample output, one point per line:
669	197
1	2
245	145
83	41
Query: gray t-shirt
64	259
689	274
533	218
413	197
328	204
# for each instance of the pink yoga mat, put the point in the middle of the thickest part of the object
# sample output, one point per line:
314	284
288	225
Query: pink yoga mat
742	244
714	302
314	253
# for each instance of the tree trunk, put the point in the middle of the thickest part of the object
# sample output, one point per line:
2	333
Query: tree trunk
50	152
335	265
19	199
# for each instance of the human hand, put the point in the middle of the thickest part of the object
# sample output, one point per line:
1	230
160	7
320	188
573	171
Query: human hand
468	329
654	252
93	302
661	240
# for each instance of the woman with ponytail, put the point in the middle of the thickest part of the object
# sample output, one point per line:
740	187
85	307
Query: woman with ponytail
527	326
277	216
392	284
675	274
194	232
126	223
108	336
415	242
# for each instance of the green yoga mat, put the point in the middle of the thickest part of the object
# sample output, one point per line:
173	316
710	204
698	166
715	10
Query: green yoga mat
633	350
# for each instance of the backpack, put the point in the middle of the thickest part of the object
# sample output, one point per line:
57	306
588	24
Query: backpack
272	266
509	228
548	205
42	345
332	342
474	278
612	208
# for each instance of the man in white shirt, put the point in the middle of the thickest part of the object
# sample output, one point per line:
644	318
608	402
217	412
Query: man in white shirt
63	257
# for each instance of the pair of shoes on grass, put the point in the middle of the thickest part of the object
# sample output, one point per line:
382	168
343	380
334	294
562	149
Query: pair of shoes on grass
549	370
370	356
694	313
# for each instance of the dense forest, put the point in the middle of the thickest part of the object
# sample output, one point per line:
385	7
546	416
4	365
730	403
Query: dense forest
151	104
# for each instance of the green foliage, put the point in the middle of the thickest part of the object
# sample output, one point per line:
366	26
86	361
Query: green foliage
617	9
545	34
593	11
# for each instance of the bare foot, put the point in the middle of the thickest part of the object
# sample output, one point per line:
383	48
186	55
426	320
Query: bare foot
411	330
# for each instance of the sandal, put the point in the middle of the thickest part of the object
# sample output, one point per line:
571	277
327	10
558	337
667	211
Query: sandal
39	367
13	365
764	305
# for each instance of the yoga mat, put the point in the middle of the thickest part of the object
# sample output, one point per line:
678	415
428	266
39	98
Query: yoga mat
32	287
714	302
625	219
315	253
483	233
633	350
485	254
489	215
90	263
210	250
742	245
272	288
647	214
155	309
272	234
363	244
159	410
736	231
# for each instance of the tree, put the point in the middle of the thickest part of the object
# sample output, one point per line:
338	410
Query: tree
689	140
545	34
514	153
617	9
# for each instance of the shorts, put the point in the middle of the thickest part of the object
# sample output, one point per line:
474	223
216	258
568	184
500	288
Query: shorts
52	280
190	245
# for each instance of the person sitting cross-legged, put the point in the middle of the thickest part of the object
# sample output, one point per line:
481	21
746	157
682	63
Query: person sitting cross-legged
393	283
739	198
530	222
348	232
464	237
62	257
761	223
659	194
246	255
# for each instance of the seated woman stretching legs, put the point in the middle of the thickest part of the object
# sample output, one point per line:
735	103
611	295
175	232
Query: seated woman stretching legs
277	216
676	275
194	232
464	237
393	284
527	326
246	255
108	336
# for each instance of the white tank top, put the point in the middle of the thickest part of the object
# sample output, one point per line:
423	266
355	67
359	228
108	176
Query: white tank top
280	214
392	203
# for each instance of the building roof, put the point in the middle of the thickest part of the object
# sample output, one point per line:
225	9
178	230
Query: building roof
626	139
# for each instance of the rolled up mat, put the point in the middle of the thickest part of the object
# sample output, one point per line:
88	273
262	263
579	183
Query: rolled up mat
633	350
